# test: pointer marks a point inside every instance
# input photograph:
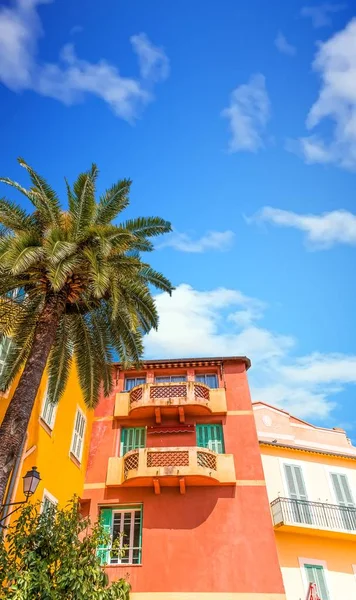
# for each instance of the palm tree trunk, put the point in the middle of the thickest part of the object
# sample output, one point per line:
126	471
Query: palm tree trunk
15	423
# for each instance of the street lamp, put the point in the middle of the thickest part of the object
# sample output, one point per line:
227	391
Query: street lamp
30	484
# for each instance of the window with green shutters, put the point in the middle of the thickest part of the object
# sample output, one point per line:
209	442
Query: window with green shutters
132	438
300	510
125	523
345	500
211	437
316	574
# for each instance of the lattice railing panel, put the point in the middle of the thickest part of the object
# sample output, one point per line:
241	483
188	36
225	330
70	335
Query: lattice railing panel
131	462
206	460
200	391
168	391
168	459
136	395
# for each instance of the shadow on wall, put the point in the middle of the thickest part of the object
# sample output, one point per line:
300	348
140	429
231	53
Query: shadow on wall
172	510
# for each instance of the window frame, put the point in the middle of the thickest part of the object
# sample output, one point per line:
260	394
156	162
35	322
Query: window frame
47	496
318	563
73	454
144	429
178	379
207	375
206	425
125	510
136	384
54	412
294	462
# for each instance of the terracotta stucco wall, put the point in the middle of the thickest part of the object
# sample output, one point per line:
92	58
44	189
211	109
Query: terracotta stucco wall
211	539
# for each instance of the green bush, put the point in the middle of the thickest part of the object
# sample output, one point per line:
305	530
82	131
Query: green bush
53	556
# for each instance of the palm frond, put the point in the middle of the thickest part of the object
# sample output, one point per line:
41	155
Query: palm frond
47	200
84	205
14	217
113	201
59	362
20	253
99	272
156	279
148	226
100	332
21	342
84	352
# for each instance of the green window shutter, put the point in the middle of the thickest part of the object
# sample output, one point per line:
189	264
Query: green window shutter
211	437
106	522
342	490
132	438
315	574
295	482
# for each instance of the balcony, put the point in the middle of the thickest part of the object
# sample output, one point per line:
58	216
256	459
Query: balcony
171	467
181	399
314	518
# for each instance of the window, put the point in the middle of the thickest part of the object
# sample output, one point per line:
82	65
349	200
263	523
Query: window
299	509
78	435
131	382
5	344
345	500
49	410
211	437
171	379
210	379
48	501
315	574
132	438
124	523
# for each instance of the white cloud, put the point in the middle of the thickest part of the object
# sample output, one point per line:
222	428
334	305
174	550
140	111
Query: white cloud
212	240
154	64
335	62
248	115
208	323
322	231
320	14
71	78
284	46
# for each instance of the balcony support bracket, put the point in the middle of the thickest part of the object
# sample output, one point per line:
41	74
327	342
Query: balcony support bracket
156	486
182	485
181	414
158	415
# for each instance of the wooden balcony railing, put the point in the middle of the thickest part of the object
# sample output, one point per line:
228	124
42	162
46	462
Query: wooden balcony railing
171	466
188	397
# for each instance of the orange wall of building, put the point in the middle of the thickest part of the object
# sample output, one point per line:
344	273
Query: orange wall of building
211	539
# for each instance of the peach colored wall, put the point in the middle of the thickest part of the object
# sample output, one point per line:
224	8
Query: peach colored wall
211	538
339	557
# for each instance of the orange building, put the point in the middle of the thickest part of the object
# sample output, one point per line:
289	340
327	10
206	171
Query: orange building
174	467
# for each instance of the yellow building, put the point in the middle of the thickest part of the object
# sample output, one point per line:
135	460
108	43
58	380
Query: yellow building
57	443
310	474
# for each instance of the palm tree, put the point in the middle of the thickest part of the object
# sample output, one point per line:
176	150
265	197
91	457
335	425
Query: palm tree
73	285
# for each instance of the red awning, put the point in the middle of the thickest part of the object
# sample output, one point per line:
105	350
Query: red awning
171	429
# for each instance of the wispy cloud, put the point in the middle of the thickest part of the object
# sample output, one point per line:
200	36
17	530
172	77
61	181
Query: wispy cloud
76	29
203	323
71	78
284	46
248	114
154	64
322	231
320	15
335	62
211	240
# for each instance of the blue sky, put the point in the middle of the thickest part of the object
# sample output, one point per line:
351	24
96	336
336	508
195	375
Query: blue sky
237	122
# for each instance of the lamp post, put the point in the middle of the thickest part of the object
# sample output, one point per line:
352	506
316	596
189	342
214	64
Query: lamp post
30	484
